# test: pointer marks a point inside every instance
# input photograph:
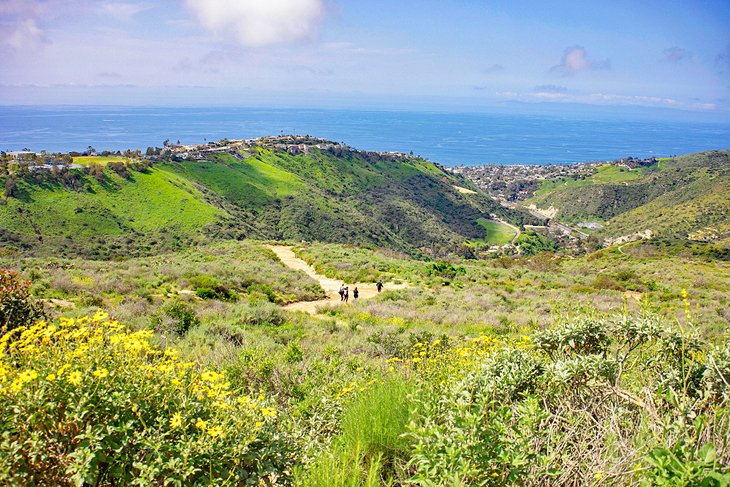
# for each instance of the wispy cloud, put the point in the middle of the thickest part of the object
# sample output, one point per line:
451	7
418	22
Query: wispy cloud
722	61
25	34
550	89
675	55
109	74
494	68
556	94
258	23
121	10
575	60
350	48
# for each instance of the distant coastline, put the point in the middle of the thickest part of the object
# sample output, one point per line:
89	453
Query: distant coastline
450	139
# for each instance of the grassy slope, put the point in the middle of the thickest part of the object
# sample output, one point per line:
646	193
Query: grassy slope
148	203
606	174
102	160
348	197
679	197
251	183
497	233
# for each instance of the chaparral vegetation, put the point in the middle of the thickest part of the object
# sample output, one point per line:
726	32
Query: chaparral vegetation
159	340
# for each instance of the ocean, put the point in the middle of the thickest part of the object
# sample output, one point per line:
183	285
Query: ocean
447	138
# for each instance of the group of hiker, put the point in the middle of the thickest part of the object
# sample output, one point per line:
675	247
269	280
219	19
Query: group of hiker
345	291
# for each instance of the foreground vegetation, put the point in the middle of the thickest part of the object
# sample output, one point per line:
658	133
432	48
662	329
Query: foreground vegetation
610	369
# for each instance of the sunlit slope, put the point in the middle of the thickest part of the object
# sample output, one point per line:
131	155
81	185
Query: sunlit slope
686	197
393	201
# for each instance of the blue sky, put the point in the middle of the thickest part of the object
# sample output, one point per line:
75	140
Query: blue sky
468	54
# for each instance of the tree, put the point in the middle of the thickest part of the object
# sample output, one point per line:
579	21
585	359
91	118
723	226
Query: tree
96	171
17	307
10	187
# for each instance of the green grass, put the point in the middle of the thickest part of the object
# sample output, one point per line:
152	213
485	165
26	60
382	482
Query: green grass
250	183
497	233
150	202
606	174
677	199
103	160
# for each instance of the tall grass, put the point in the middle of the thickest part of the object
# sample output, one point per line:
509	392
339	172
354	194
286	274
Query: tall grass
372	448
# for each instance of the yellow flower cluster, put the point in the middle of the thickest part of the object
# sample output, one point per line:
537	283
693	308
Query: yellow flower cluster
432	358
97	349
353	386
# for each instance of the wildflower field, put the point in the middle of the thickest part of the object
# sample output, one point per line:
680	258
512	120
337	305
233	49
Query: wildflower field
530	372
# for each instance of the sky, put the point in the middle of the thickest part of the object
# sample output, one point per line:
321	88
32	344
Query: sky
425	54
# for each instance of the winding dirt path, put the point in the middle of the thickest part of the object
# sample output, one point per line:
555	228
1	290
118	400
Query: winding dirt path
330	286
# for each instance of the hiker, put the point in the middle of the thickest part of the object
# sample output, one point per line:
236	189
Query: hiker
342	292
347	293
379	285
355	293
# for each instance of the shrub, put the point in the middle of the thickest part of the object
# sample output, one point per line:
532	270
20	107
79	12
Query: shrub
208	287
260	313
176	317
87	402
17	307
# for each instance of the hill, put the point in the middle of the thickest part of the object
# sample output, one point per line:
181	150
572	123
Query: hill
313	190
683	198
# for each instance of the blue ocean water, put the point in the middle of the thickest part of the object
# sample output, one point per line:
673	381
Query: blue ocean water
448	138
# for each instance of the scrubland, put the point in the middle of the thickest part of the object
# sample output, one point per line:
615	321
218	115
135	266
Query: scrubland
607	369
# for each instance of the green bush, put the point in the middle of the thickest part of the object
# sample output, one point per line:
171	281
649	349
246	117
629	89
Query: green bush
175	317
17	307
87	402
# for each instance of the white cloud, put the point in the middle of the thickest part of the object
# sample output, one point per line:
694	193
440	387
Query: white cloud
122	11
26	34
258	22
575	60
547	93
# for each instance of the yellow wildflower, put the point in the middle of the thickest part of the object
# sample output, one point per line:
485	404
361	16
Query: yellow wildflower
176	420
201	425
74	378
51	377
215	431
268	412
28	375
210	376
101	373
16	385
100	316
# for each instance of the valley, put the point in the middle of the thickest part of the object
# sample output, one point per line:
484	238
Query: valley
189	305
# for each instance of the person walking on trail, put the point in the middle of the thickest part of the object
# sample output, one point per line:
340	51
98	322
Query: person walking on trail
355	293
347	293
379	285
342	292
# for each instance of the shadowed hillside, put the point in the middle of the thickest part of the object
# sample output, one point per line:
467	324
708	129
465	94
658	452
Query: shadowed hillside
684	198
333	194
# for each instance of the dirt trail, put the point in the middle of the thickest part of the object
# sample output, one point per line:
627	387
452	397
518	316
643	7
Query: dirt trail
330	286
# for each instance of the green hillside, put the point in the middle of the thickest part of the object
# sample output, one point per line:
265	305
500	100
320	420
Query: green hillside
341	195
683	198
